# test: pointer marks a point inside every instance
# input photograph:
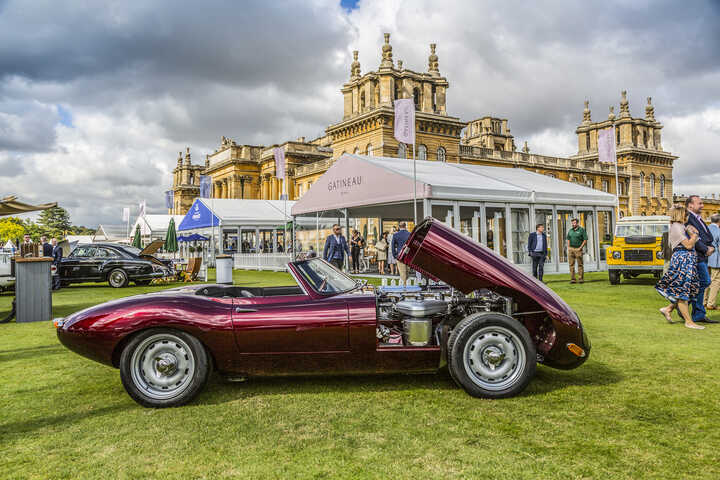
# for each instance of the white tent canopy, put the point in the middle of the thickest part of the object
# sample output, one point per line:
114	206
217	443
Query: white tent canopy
154	226
360	180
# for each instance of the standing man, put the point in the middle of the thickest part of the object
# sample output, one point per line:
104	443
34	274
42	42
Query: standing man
537	248
27	247
703	249
398	240
336	247
56	254
576	240
46	247
714	264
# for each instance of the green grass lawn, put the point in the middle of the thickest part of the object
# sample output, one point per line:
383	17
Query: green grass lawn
645	405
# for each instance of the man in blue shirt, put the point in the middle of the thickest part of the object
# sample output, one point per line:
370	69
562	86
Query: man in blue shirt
336	248
714	264
703	249
537	248
399	239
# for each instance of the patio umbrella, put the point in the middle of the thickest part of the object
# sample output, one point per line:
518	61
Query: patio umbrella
171	241
137	242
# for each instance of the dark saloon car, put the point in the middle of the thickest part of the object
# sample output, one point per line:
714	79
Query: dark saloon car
490	324
116	264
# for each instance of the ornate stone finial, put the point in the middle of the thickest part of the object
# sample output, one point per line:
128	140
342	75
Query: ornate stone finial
586	113
433	61
400	64
187	155
387	60
649	110
179	158
207	161
525	148
355	67
611	116
624	105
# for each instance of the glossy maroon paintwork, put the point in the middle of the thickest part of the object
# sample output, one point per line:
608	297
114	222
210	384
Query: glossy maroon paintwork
307	332
446	254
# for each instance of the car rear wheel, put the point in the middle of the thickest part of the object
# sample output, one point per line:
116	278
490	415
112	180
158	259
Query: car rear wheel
614	277
118	278
491	355
164	368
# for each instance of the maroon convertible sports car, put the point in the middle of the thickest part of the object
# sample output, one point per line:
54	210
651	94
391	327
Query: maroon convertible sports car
489	322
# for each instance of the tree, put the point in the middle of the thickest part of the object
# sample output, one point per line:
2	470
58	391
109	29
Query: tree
55	221
11	228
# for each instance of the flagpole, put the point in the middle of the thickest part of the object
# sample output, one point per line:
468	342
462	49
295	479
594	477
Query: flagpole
617	182
414	184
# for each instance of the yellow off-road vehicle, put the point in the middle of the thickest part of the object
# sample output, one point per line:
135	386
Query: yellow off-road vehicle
636	247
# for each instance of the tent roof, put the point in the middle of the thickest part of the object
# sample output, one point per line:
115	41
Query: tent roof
151	222
233	211
360	180
111	231
10	206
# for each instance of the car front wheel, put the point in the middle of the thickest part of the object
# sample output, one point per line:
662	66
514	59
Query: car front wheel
491	355
164	368
118	278
614	277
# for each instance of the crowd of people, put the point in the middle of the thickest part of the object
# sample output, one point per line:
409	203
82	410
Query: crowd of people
694	265
52	249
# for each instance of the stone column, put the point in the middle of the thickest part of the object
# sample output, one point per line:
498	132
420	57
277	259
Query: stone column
274	188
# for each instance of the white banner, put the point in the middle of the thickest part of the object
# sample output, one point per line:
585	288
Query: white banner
405	120
606	146
126	214
279	162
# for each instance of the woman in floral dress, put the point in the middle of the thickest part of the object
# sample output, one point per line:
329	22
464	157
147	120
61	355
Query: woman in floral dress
680	283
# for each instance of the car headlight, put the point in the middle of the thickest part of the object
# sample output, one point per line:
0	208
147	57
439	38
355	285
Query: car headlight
616	255
659	255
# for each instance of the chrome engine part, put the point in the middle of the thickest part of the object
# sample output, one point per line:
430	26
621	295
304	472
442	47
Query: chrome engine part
420	308
418	331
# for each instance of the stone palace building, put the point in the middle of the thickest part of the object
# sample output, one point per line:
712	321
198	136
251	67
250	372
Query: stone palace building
248	171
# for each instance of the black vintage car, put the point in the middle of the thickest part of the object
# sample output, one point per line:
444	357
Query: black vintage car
113	263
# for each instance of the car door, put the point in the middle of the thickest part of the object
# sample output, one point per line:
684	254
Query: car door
290	333
76	265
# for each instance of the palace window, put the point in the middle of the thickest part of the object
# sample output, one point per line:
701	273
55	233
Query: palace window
434	100
642	184
496	127
605	186
590	183
362	101
587	141
357	150
397	91
369	149
662	185
416	98
441	154
402	150
422	152
617	136
652	185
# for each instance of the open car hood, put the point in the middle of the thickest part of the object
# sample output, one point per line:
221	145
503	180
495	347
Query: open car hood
153	247
442	253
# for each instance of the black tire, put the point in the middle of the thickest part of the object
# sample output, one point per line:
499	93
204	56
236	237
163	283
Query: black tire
493	336
191	372
117	278
614	277
142	283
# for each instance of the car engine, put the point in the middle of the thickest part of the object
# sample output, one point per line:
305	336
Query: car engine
415	317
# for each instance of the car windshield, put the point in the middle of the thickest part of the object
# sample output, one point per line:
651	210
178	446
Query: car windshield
323	277
637	229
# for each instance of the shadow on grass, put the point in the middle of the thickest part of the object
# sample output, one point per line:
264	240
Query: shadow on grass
546	380
31	352
38	423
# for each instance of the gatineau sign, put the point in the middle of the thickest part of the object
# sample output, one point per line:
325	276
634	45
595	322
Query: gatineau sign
346	183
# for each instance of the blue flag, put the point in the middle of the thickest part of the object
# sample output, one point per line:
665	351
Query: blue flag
169	197
205	186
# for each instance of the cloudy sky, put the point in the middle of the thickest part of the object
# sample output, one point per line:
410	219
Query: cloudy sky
96	99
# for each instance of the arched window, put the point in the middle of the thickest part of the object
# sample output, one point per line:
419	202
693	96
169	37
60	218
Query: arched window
617	136
402	150
662	185
422	152
396	93
605	186
369	149
642	184
362	101
652	185
587	141
590	183
441	154
621	214
357	150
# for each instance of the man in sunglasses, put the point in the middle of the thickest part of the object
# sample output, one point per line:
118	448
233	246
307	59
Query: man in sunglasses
336	247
